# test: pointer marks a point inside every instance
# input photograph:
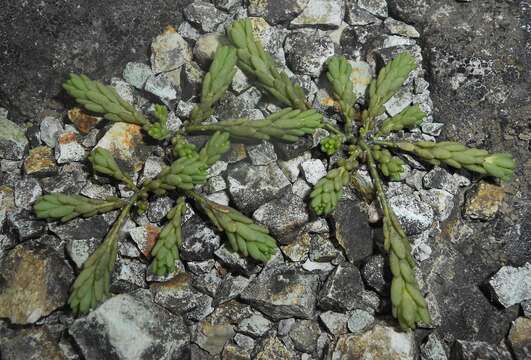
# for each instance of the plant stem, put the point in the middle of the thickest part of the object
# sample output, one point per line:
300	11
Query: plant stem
332	128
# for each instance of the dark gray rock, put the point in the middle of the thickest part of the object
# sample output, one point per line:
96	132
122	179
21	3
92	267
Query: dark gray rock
27	191
255	325
322	249
282	292
352	230
130	326
21	225
414	215
287	151
159	208
70	179
63	38
307	51
230	288
374	272
236	263
177	295
304	335
472	350
284	217
199	240
342	290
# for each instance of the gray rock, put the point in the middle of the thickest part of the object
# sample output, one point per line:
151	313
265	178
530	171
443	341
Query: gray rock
381	342
433	349
80	250
374	274
206	46
136	74
240	82
357	16
21	225
400	28
27	191
276	12
301	188
414	215
342	289
375	7
70	179
291	167
287	151
191	80
226	4
352	230
169	51
162	86
187	31
35	282
471	350
13	141
159	209
235	262
262	154
208	282
322	268
50	128
322	249
439	178
230	288
304	335
335	323
31	344
130	326
526	308
177	295
251	186
520	338
255	325
441	201
205	15
297	250
512	285
327	13
359	321
216	183
284	217
431	128
217	168
283	292
199	240
284	326
97	191
313	170
307	51
128	275
219	197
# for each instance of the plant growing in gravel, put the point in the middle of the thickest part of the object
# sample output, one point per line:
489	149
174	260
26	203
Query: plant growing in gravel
363	139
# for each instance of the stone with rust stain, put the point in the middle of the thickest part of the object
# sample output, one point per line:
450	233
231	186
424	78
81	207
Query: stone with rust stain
382	342
83	121
125	142
34	282
145	237
520	338
40	162
177	294
484	201
31	344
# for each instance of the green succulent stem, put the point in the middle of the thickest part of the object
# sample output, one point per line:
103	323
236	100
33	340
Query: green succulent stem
92	285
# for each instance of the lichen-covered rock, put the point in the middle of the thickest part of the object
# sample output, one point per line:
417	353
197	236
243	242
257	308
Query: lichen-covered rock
130	326
271	348
512	285
359	321
137	74
283	292
255	325
40	162
520	338
283	217
13	141
342	289
352	230
335	323
327	13
31	344
433	349
382	342
165	86
35	282
304	335
484	201
307	51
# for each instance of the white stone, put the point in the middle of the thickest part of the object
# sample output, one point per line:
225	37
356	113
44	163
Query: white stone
321	12
512	285
313	170
398	102
301	188
50	128
414	215
291	167
317	266
220	197
68	149
262	154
